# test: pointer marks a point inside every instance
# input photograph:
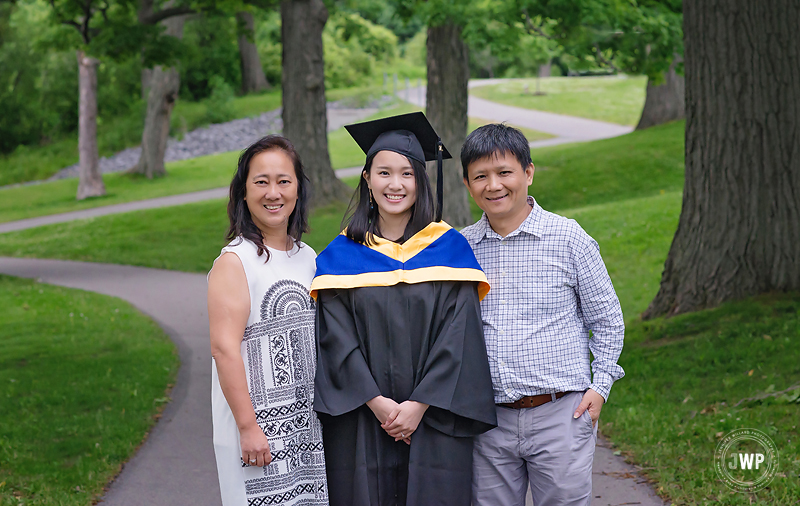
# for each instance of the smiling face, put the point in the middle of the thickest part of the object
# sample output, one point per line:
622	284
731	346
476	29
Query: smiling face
391	179
499	185
271	191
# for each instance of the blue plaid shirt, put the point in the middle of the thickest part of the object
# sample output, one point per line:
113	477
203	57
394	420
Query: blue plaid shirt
551	302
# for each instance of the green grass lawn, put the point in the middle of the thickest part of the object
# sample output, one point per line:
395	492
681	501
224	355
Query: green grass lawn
643	163
684	377
615	99
82	377
184	238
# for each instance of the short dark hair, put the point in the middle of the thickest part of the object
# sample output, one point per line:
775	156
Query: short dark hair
241	223
361	218
491	140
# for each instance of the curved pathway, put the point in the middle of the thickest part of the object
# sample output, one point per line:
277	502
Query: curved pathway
176	463
566	129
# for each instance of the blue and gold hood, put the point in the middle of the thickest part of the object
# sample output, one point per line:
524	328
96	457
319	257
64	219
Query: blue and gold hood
435	253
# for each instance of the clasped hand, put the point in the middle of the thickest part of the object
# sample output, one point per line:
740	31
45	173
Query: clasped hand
398	420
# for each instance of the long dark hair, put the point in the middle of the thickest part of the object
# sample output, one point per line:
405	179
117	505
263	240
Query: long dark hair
362	222
241	223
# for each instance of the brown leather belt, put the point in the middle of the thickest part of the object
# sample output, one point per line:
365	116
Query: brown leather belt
532	401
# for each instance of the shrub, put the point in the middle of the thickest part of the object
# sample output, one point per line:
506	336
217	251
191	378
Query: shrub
219	106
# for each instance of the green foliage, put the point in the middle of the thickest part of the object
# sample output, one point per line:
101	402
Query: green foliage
38	90
211	50
415	51
268	42
81	377
383	13
352	47
219	106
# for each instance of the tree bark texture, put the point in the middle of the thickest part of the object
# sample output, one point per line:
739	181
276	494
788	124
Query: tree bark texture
253	78
446	107
664	102
90	181
546	70
147	76
164	85
305	120
739	228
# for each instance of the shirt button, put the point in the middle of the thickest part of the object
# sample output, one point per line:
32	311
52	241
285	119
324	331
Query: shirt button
502	302
503	274
503	242
502	332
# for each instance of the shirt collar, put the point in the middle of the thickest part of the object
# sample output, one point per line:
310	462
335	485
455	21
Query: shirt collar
532	224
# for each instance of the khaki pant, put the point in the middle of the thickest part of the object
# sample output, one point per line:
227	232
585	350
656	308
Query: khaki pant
544	446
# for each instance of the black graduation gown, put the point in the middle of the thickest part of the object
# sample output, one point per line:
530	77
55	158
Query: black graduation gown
422	342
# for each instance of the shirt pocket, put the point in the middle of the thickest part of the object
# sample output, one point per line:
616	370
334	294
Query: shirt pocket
546	294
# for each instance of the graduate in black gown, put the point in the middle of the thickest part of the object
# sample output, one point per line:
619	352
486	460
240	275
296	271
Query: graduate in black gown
402	382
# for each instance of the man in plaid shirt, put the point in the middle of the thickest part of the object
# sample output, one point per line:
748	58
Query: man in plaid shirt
551	303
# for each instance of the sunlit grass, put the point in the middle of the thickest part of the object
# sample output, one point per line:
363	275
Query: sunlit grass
615	99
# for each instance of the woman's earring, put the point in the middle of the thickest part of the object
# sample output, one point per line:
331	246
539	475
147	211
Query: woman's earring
371	202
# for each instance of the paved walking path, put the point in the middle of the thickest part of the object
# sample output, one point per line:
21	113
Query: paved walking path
176	464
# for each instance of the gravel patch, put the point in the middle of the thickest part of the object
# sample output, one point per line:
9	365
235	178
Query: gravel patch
234	135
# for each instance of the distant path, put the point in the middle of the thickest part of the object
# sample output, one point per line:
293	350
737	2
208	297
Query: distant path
176	463
566	129
138	205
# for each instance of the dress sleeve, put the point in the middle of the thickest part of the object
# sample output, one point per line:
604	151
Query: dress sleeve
343	381
456	382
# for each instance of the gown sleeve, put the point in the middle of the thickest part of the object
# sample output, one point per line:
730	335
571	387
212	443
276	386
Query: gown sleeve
343	381
456	382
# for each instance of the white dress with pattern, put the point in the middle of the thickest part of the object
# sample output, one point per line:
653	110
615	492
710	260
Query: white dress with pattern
280	359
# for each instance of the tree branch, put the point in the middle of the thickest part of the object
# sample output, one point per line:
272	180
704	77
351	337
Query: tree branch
104	11
154	17
602	60
87	16
533	29
765	396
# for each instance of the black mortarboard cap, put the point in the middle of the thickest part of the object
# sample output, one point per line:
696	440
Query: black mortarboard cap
407	134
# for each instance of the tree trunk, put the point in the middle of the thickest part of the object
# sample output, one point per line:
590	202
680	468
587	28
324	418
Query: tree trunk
90	181
253	78
305	121
664	102
147	77
164	85
446	107
740	224
546	70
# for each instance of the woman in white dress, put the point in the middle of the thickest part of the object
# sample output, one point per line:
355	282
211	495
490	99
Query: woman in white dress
267	438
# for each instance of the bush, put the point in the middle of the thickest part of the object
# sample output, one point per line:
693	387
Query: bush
219	106
415	51
352	47
268	43
211	50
